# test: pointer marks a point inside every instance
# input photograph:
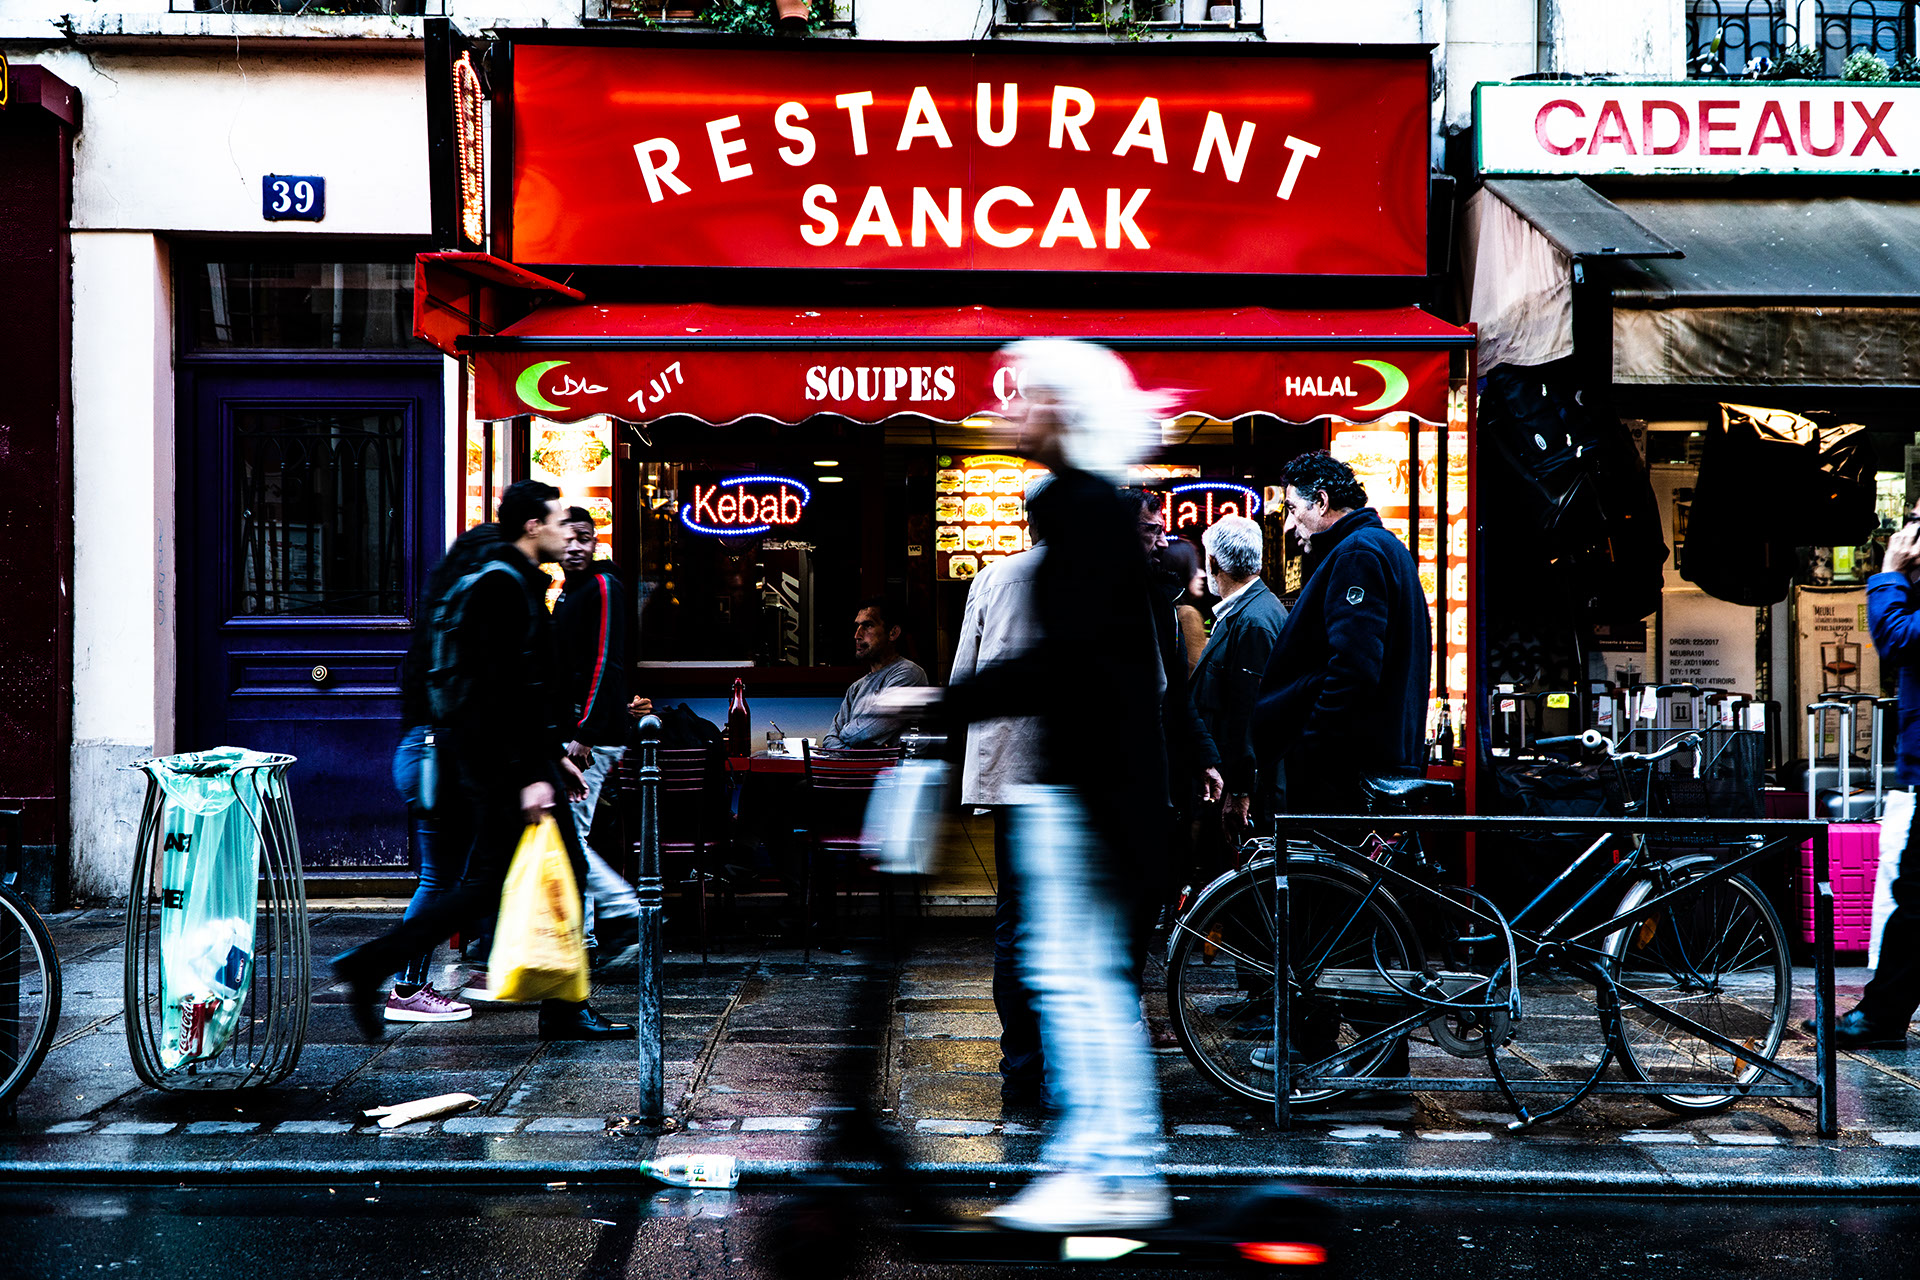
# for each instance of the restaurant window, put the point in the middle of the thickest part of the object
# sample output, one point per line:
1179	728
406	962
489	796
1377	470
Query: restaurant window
744	563
242	304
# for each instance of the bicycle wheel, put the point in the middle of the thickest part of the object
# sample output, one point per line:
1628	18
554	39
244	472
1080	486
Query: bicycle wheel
1220	972
1717	957
29	993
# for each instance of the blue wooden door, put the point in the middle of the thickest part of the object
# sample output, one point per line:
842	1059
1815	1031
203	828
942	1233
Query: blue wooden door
310	511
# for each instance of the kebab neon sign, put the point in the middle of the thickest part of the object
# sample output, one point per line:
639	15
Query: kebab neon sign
1200	504
745	505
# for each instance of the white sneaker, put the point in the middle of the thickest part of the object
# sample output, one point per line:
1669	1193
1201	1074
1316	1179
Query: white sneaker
1086	1202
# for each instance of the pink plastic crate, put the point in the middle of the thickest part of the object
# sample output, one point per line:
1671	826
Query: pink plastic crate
1853	858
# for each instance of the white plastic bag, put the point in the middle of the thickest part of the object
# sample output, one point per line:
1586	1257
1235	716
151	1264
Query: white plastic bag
903	817
1895	820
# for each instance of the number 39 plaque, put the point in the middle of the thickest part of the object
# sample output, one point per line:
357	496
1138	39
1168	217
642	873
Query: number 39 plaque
289	197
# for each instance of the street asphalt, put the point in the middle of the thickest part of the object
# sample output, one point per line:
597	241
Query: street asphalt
763	1050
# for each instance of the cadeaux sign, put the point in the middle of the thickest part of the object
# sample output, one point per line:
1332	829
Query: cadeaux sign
1066	158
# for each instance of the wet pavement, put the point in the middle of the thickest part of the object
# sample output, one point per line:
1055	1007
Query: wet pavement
573	1233
763	1049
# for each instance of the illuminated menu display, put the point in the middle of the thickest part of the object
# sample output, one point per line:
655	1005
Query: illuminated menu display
1378	456
979	512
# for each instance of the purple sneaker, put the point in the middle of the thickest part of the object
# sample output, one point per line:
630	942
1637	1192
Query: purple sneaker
426	1005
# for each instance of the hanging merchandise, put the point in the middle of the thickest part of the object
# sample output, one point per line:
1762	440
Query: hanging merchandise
1581	510
1823	475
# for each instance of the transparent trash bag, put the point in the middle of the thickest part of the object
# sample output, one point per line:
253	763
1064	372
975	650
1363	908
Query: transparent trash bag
209	895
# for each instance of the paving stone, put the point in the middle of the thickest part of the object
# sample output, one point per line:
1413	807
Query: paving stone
567	1124
314	1126
137	1129
200	1128
1746	1139
1354	1132
1896	1138
1456	1135
70	1126
954	1126
1205	1131
1658	1136
781	1124
481	1124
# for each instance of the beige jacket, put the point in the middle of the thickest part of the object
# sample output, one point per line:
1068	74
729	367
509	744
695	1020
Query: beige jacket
999	622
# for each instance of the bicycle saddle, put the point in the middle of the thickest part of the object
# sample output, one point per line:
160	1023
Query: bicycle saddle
1389	794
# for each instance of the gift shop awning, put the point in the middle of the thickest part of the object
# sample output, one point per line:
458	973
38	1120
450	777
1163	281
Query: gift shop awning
721	363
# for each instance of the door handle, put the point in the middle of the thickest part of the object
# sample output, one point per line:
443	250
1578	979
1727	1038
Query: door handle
320	673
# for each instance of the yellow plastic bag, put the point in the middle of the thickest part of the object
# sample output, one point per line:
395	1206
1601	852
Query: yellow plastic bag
538	951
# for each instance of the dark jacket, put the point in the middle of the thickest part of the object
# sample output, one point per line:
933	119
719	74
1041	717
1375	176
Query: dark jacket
589	623
1893	619
1190	748
1346	688
1226	681
515	728
1092	679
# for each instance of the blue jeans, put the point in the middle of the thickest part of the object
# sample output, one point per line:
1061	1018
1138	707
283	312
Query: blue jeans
439	846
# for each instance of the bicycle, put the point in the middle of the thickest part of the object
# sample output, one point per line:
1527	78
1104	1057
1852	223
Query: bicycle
29	978
1649	985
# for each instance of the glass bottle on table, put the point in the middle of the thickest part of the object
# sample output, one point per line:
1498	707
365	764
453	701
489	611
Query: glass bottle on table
739	722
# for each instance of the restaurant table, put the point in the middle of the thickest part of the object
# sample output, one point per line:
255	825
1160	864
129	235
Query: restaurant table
761	762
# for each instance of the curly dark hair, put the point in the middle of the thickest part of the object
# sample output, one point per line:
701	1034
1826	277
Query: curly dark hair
1320	472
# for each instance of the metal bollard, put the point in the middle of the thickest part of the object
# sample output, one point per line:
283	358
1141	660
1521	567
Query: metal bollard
652	896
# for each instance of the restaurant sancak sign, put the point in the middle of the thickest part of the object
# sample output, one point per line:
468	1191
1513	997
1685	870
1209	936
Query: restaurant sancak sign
1698	127
1053	160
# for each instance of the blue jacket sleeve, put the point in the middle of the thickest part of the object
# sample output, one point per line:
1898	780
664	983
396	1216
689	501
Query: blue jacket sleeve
1893	617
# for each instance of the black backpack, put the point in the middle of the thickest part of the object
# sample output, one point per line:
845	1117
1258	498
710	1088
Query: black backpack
450	671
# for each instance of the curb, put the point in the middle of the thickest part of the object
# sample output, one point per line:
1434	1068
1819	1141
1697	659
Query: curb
757	1174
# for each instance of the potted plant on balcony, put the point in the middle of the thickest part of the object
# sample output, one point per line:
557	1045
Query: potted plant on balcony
767	17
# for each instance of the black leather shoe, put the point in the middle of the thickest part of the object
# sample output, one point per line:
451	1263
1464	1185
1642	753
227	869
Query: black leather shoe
582	1023
1851	1030
363	993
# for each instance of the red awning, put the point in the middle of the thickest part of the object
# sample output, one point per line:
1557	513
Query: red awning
720	363
459	294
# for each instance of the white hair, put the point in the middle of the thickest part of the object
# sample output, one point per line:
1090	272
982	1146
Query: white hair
1107	422
1235	544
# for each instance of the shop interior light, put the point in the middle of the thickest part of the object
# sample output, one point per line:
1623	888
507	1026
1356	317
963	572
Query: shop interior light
826	462
831	479
980	422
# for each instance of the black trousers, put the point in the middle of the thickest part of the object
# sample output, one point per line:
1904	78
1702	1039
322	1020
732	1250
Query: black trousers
1891	998
497	825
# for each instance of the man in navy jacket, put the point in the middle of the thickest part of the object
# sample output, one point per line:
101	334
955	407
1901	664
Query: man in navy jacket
1893	616
1345	693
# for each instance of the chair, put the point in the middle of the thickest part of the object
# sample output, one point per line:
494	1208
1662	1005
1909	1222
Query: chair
838	782
694	811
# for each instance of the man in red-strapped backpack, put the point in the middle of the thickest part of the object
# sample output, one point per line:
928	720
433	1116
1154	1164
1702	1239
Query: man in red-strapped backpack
590	631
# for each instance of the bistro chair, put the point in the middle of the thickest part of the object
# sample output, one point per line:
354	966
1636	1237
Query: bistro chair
838	783
694	814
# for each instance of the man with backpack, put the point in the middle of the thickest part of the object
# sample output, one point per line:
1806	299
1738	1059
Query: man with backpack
498	697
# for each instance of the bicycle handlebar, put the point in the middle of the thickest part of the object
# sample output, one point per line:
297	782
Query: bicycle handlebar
1594	740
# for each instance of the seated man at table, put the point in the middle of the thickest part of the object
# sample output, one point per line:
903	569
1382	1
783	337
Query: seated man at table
876	636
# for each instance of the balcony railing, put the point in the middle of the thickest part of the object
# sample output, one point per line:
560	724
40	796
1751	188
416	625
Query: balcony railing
1133	19
315	8
1757	36
697	15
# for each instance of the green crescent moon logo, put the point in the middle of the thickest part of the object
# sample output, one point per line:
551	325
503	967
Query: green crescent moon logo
528	385
1395	392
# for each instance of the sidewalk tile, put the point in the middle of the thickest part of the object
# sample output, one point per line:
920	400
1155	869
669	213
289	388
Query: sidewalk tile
314	1126
1456	1135
1351	1132
955	1127
779	1124
481	1124
567	1124
1896	1138
70	1126
711	1126
1746	1139
201	1128
1205	1131
138	1128
1651	1136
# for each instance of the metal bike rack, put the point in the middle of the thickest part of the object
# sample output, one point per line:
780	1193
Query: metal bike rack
1761	838
265	1046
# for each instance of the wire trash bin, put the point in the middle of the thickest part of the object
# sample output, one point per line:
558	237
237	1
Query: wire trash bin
219	956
